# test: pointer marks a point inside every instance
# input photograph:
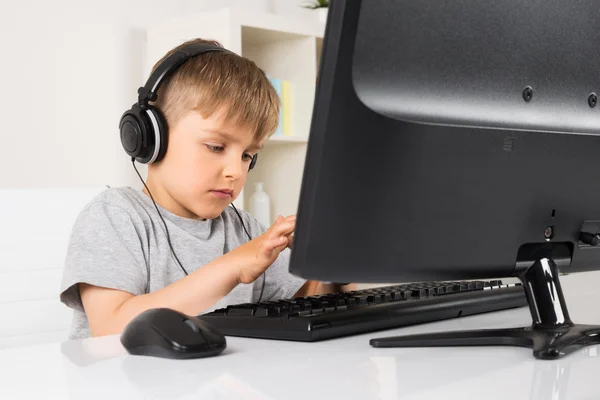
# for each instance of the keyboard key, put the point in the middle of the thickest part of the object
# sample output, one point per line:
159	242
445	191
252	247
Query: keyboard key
449	289
386	296
240	312
363	299
396	294
262	312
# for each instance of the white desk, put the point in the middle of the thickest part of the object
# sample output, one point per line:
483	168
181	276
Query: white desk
346	368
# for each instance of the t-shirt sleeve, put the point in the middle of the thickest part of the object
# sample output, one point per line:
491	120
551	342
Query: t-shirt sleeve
279	282
105	250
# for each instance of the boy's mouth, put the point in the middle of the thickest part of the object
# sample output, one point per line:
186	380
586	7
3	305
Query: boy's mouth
222	193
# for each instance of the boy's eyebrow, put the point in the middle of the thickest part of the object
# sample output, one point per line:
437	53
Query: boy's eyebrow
256	146
223	134
232	138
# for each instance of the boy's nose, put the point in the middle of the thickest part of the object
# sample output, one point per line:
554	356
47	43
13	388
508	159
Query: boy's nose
234	169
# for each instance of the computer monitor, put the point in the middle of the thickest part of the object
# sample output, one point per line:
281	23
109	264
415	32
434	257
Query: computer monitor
457	140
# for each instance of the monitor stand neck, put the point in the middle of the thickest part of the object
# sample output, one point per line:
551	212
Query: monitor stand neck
551	335
544	296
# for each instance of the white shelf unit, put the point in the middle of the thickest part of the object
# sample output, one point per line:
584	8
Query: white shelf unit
284	47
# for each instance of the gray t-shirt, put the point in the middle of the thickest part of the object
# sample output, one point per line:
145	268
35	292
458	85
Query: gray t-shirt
119	242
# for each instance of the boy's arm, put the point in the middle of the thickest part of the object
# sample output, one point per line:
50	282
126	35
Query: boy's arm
110	310
312	288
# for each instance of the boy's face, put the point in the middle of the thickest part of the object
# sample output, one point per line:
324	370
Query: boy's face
205	166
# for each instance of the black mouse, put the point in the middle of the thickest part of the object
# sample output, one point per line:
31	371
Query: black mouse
166	333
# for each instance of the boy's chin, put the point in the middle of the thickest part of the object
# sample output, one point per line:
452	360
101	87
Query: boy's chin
209	212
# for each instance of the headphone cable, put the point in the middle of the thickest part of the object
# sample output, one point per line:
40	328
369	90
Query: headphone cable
161	217
262	288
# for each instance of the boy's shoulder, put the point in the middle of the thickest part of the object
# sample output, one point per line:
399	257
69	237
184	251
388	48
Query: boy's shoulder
113	209
123	198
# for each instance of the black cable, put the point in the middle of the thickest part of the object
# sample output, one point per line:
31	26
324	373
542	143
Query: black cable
262	288
241	220
169	238
160	215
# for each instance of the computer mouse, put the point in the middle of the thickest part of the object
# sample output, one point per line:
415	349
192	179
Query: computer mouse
166	333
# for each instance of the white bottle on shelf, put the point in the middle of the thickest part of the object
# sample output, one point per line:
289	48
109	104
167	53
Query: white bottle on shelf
260	205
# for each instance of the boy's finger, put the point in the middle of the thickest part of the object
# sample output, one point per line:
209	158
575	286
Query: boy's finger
283	229
278	221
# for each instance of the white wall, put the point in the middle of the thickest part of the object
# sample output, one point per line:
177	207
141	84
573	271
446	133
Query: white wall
69	69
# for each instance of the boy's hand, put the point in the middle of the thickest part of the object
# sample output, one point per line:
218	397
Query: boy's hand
258	254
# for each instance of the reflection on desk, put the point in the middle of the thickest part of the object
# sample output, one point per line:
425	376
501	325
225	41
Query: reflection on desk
346	368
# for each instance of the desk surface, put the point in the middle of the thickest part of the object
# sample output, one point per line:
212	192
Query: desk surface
346	368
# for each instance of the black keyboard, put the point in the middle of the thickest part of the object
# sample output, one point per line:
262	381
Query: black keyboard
333	315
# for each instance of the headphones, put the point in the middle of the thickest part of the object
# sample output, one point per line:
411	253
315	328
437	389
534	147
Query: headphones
143	128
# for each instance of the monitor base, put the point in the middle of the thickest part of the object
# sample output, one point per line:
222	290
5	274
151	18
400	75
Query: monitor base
551	335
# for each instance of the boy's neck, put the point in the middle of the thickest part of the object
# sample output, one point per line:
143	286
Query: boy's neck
165	200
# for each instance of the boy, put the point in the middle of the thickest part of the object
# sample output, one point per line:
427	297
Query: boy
219	108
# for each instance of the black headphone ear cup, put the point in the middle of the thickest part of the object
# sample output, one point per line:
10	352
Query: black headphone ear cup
131	130
137	136
253	162
160	133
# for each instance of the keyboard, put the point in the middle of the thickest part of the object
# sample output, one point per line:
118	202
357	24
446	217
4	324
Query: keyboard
328	316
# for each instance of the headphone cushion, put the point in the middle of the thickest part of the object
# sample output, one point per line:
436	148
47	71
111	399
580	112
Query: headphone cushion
161	136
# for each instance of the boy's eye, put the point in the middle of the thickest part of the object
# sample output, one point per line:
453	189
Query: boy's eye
247	157
216	149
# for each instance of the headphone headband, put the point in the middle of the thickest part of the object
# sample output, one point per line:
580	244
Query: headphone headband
148	92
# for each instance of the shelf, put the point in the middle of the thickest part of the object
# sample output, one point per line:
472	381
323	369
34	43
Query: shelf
274	27
292	58
260	36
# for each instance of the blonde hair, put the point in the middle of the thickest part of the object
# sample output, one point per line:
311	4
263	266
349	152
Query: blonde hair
218	80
